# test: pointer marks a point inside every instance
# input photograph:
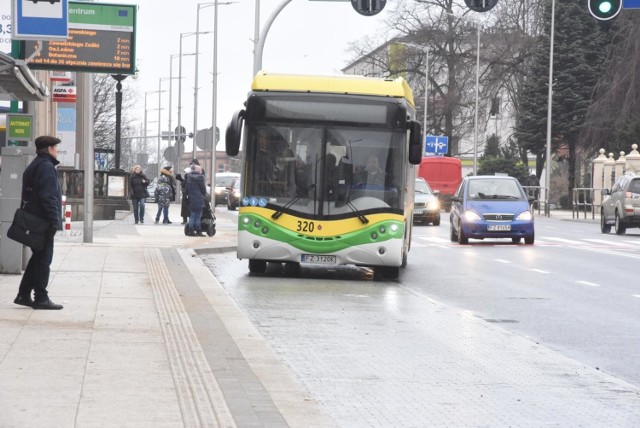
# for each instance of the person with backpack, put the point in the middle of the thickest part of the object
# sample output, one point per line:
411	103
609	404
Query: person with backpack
165	194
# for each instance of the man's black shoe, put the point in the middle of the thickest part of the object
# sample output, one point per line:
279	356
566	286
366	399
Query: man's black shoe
46	304
23	301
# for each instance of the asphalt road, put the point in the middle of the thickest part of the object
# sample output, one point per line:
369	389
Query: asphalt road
366	348
575	290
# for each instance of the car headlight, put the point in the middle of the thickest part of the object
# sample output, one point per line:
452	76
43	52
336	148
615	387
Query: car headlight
471	216
525	216
433	205
236	194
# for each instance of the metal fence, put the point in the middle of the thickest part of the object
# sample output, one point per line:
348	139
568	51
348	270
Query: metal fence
583	201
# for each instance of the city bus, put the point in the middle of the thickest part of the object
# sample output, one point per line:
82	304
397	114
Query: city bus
328	172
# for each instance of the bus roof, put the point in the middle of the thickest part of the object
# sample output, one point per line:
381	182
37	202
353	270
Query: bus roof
346	84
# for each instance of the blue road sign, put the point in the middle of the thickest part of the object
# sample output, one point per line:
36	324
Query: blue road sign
40	19
631	4
436	145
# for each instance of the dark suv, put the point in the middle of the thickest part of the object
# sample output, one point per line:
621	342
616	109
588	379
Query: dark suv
621	205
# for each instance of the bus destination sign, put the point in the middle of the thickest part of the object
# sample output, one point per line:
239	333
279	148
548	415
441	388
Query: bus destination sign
101	40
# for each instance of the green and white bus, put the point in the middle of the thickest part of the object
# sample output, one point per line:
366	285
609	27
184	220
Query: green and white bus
328	171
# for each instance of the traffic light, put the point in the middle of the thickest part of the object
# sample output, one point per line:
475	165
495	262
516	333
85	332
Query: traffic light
481	5
604	9
368	7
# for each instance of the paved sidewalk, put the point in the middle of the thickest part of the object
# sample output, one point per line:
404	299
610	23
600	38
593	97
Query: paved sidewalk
147	338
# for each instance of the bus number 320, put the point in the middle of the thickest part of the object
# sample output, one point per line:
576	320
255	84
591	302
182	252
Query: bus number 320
306	226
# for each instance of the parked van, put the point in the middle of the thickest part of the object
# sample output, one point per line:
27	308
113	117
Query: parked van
444	175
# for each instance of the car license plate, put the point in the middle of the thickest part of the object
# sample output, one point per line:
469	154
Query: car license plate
499	228
318	259
418	211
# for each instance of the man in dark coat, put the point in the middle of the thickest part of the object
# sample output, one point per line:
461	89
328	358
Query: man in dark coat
42	197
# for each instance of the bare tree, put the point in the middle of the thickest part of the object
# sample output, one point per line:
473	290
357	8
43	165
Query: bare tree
440	26
104	119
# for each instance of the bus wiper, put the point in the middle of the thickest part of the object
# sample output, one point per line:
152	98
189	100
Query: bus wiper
361	217
276	215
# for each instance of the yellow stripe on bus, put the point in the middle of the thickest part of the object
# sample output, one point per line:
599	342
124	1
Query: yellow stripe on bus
322	228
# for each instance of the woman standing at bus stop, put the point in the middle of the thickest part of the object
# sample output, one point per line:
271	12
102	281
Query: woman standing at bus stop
138	183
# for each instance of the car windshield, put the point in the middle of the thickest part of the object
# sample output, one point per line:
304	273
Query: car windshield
494	189
222	181
423	187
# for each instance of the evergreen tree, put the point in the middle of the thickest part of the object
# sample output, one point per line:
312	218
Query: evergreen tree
581	44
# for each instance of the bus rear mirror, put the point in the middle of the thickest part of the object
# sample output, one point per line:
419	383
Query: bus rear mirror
415	143
233	133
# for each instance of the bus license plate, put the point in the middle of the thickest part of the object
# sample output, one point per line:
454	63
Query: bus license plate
499	228
318	259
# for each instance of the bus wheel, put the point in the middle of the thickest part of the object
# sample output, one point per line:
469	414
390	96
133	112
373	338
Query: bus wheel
257	266
386	272
292	269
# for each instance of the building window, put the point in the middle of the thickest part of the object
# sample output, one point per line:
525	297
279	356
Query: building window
495	107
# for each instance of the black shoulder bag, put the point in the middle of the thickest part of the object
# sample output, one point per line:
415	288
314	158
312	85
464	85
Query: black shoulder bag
28	229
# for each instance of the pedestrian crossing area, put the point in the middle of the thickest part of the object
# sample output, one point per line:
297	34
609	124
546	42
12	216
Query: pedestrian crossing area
541	241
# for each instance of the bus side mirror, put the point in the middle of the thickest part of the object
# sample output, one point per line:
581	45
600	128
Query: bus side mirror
233	133
415	143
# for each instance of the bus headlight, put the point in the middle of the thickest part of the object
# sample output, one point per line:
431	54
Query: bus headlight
394	228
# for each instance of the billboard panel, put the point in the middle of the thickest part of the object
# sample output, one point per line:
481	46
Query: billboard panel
101	40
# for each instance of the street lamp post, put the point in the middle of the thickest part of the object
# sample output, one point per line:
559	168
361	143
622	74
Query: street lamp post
118	78
182	35
547	175
425	49
475	124
214	101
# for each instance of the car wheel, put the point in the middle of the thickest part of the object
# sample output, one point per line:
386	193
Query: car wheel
257	266
604	227
620	227
516	240
529	240
436	221
452	233
462	240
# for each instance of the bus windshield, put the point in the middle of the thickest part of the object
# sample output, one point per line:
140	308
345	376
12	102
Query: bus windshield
326	170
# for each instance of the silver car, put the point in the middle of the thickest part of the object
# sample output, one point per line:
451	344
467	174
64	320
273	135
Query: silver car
621	205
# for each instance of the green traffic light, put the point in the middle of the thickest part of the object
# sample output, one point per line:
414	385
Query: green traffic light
605	7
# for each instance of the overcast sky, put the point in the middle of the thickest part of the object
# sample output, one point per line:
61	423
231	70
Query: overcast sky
306	37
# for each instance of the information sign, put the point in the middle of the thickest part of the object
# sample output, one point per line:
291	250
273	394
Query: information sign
39	20
101	40
437	145
19	127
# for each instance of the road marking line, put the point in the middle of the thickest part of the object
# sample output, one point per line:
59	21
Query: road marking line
590	284
566	241
502	261
434	239
539	270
